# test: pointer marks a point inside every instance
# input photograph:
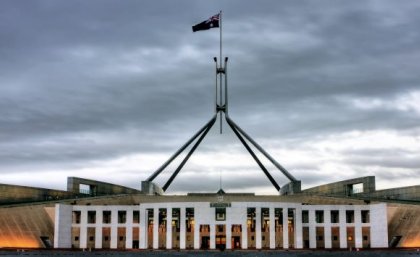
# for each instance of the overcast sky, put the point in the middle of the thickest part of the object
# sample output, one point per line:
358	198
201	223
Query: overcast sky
109	90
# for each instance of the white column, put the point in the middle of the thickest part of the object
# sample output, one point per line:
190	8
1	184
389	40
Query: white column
285	228
244	228
298	229
129	229
156	228
196	233
272	229
143	228
258	228
83	229
169	228
62	226
228	236
98	229
312	229
343	228
182	236
358	243
114	229
327	228
212	236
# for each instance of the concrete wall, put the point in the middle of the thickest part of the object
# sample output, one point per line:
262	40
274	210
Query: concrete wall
23	226
98	188
342	188
401	193
19	194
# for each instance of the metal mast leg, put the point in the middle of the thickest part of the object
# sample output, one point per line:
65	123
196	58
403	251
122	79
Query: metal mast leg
274	162
181	165
254	156
161	168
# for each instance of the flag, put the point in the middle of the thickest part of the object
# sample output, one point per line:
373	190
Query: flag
212	22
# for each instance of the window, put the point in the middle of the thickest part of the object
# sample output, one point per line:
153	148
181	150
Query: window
365	216
305	216
319	216
365	238
106	238
335	217
350	216
91	217
122	215
335	238
121	238
220	228
91	238
136	217
320	238
106	216
76	238
76	217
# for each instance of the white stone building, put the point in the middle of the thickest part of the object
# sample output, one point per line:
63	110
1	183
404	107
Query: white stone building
232	224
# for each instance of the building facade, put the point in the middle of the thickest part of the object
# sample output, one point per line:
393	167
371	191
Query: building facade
220	224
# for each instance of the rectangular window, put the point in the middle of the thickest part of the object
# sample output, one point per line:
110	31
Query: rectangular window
136	217
319	216
106	216
122	215
350	216
335	217
305	216
76	217
91	217
365	216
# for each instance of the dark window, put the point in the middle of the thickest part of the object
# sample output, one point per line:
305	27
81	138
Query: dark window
350	216
91	238
91	217
252	238
320	238
335	238
76	238
263	238
220	228
335	217
365	238
136	217
106	216
121	238
365	216
122	215
305	216
76	217
319	216
106	238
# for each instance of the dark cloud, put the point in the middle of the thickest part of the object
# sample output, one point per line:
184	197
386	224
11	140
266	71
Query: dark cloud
88	82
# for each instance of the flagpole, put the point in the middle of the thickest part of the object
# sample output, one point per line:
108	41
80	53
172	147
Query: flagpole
220	65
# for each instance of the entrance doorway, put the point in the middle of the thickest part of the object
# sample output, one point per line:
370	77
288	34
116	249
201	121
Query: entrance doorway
236	242
205	242
221	242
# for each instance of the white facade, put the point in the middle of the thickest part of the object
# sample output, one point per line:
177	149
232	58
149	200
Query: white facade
274	225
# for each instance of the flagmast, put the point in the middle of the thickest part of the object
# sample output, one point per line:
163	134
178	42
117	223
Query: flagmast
220	65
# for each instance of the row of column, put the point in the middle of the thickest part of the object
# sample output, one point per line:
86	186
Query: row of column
327	225
231	219
229	222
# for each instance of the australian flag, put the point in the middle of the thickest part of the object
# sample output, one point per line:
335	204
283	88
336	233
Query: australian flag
212	22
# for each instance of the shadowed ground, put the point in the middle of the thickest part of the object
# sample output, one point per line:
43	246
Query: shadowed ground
247	253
